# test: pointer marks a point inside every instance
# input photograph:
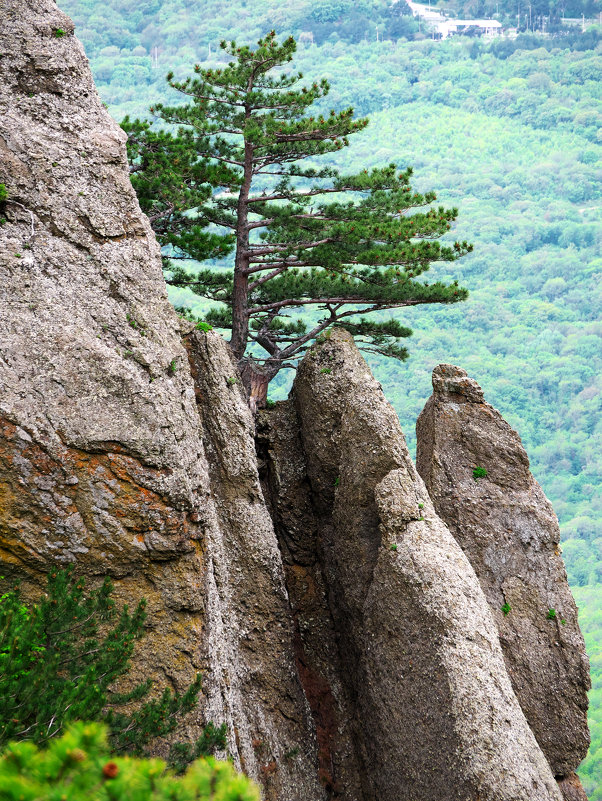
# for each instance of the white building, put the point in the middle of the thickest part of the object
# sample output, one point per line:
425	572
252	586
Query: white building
444	26
487	27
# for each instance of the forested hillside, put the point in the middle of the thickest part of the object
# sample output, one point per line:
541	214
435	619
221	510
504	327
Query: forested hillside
510	133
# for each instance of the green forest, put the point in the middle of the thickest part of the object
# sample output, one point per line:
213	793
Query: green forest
507	130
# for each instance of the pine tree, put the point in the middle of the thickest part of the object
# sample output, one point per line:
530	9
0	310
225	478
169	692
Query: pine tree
303	235
60	659
79	765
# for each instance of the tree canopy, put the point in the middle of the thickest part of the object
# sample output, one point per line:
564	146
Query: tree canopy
245	172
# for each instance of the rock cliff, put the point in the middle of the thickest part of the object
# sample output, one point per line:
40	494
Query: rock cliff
108	457
509	532
342	633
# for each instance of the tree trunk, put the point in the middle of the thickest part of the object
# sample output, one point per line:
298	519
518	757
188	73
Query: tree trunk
255	380
240	289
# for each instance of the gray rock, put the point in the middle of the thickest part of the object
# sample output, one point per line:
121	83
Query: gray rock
100	455
108	457
252	675
434	711
509	532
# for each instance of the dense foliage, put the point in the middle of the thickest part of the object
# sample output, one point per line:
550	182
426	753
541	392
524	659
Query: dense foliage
80	765
589	600
507	131
60	660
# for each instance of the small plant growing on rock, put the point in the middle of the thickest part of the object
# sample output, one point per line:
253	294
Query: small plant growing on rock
270	403
203	326
232	380
551	614
326	370
394	546
173	366
506	608
479	472
337	481
59	33
3	193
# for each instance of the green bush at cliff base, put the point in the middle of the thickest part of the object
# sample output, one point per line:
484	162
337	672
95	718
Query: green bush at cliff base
60	661
79	765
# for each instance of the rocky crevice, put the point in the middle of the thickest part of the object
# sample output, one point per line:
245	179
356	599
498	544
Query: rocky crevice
251	676
290	500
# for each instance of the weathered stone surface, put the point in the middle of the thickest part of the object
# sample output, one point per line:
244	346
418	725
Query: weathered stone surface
251	669
432	709
100	455
509	532
104	457
572	789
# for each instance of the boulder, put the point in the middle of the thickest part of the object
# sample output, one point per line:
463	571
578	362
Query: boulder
431	707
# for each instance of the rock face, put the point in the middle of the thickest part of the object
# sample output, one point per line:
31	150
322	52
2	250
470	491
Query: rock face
422	687
248	647
107	457
353	655
508	530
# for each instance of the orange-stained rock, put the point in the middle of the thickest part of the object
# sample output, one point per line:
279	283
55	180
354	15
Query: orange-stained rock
108	457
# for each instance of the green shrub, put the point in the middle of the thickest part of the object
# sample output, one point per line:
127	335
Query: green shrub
79	765
60	659
203	326
479	472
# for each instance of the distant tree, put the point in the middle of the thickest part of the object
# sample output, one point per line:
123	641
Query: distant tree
303	236
60	659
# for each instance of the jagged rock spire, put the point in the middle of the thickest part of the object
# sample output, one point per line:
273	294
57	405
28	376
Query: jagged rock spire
477	473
